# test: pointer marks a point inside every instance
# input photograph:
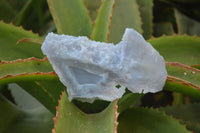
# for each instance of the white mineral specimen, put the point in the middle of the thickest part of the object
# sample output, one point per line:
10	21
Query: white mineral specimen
91	70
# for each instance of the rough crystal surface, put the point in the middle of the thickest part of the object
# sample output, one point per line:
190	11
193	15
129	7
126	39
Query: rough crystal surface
91	70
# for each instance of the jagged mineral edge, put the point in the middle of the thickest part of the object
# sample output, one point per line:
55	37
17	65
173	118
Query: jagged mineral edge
91	70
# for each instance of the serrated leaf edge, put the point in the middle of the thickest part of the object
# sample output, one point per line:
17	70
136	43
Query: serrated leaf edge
170	116
59	104
174	35
24	60
21	27
38	75
57	112
179	119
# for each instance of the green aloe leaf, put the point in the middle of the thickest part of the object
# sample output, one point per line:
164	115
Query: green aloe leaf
184	79
26	70
145	120
103	21
14	120
30	65
186	112
71	17
184	72
146	10
178	48
35	76
183	49
9	36
70	119
186	25
126	15
189	114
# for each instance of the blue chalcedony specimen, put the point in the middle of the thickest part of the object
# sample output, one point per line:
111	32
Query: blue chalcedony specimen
91	70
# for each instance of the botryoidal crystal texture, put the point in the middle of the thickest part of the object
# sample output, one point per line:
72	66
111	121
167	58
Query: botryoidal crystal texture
91	70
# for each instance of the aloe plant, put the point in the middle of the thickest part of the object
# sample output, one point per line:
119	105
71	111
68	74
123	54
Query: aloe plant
32	98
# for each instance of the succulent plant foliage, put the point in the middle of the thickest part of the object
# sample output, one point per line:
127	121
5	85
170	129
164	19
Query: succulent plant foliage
171	26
